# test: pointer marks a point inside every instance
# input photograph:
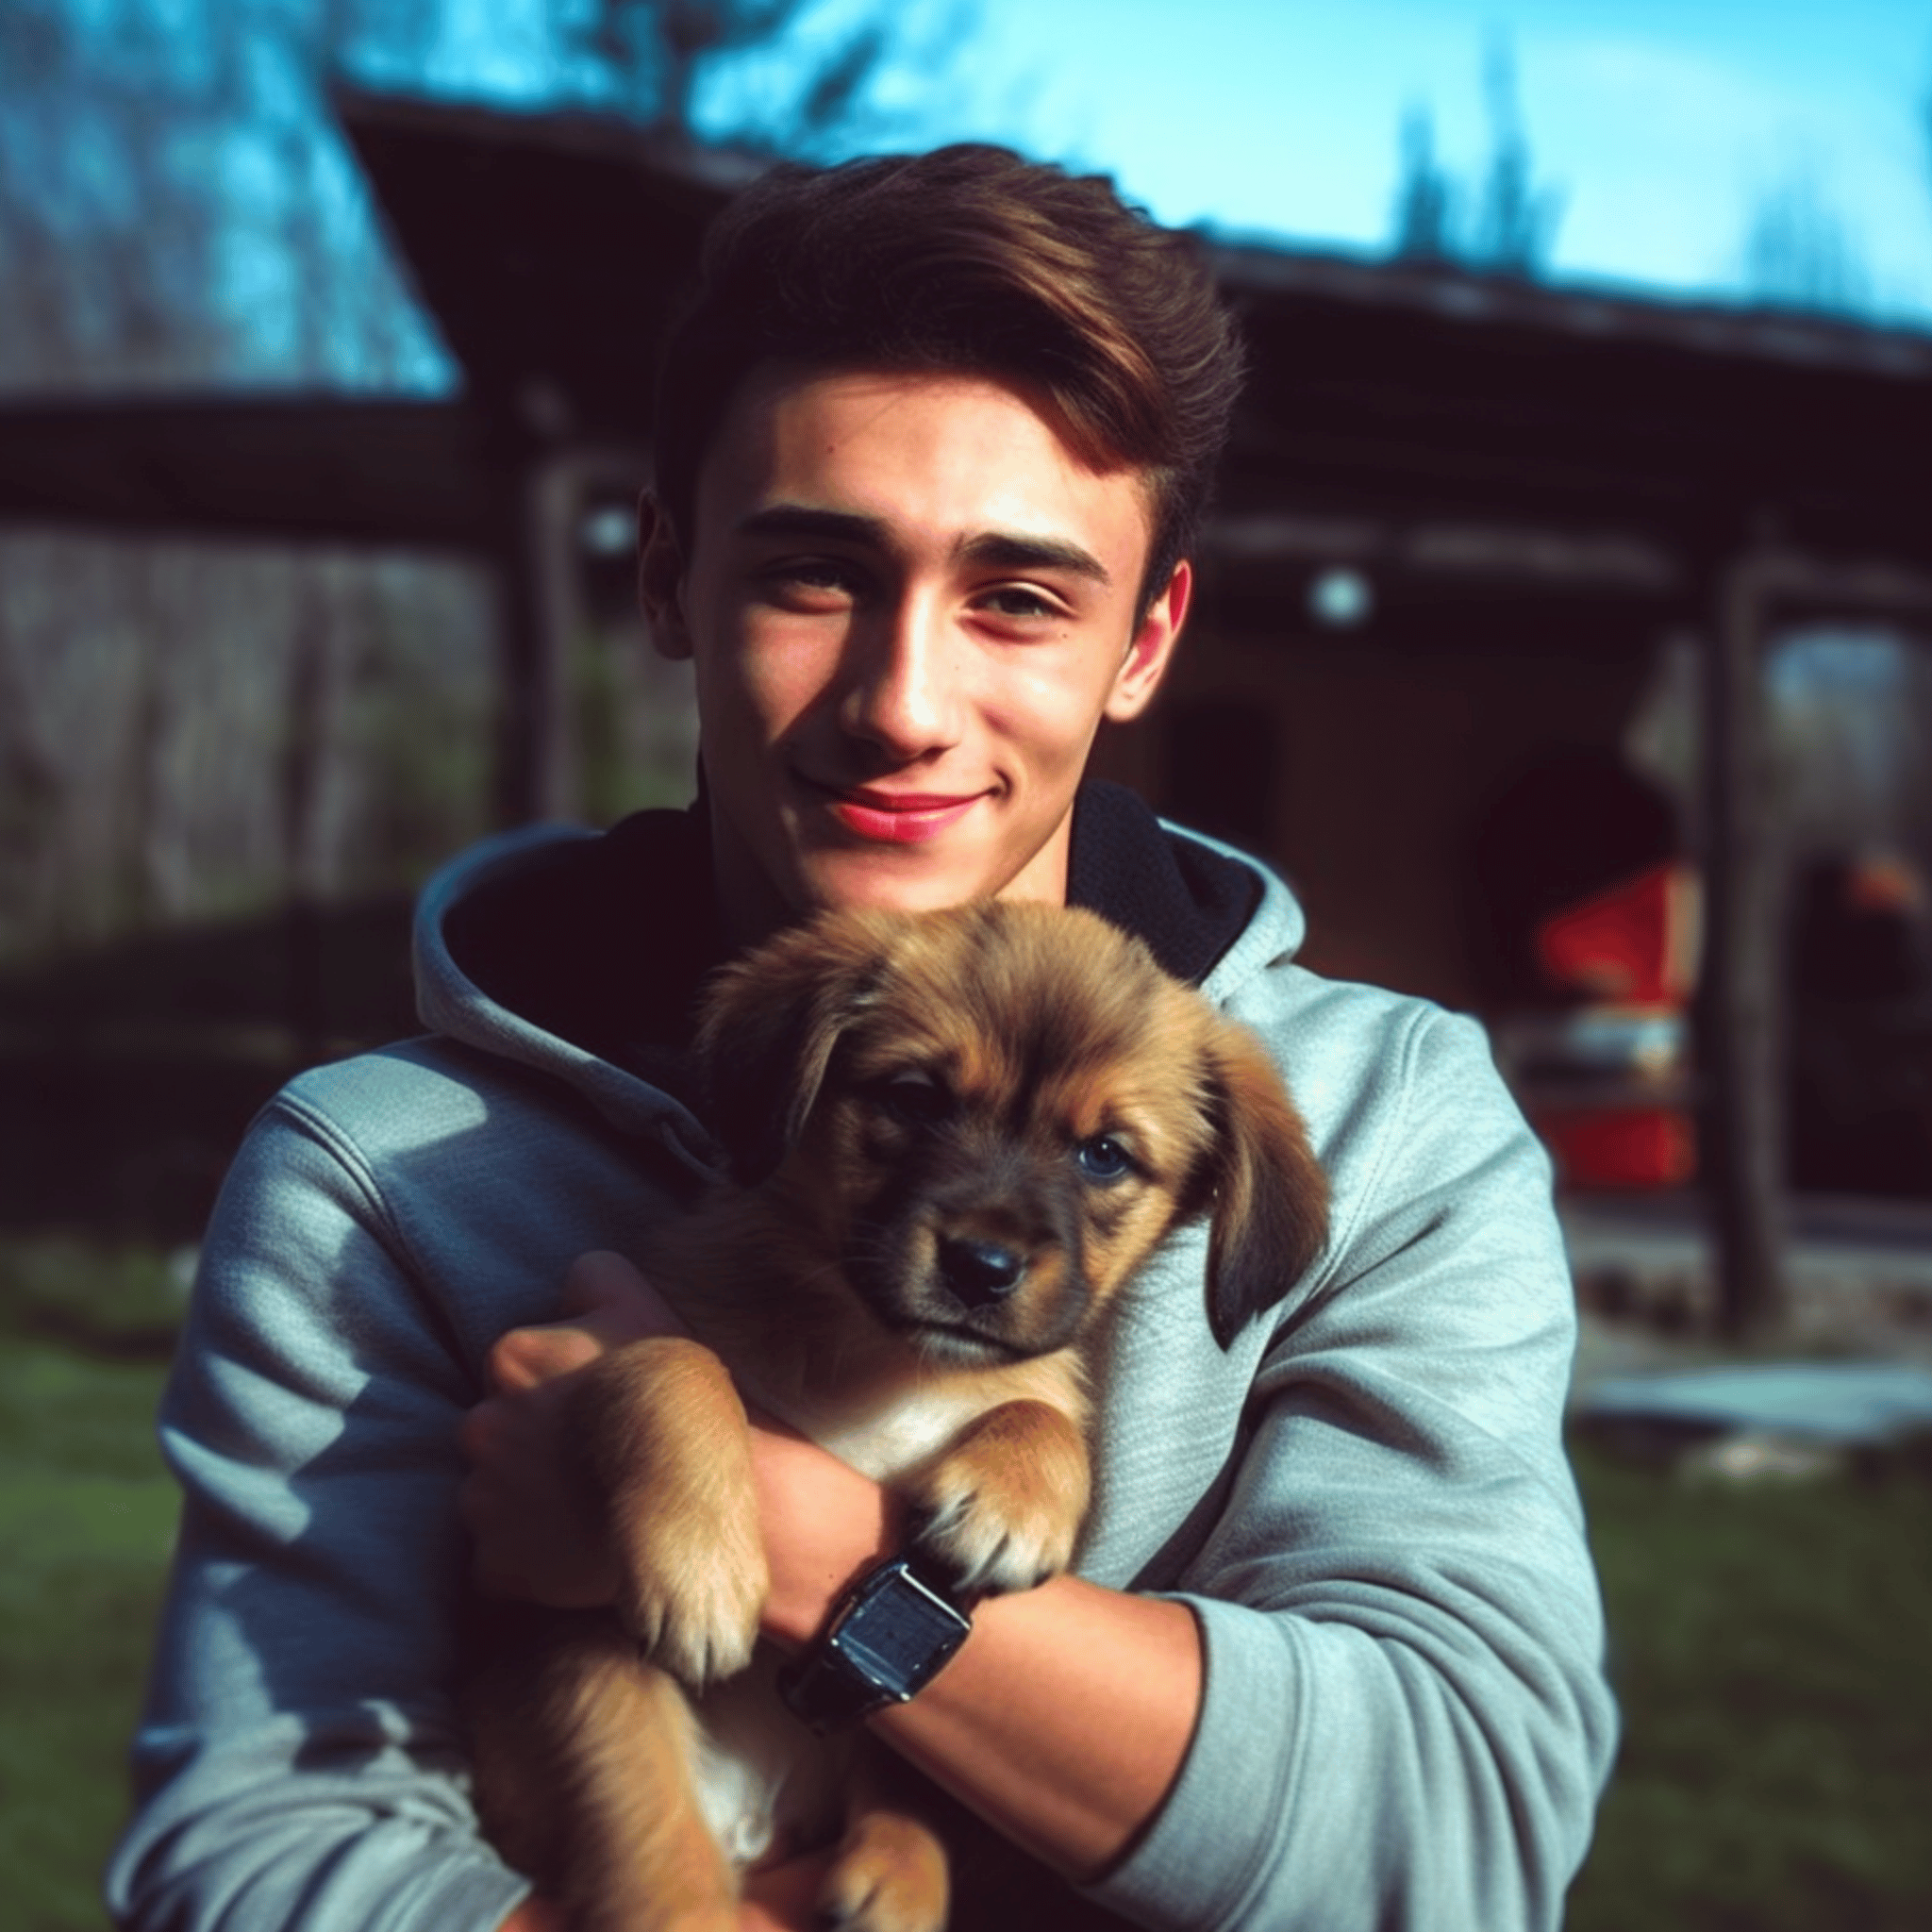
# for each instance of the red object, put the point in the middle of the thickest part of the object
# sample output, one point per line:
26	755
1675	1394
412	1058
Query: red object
1621	1146
1635	943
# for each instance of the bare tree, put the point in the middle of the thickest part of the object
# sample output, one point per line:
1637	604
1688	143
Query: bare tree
1504	221
1800	252
1848	707
107	241
1426	210
654	58
1516	218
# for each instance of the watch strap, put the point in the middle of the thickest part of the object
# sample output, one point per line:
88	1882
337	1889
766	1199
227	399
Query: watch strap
892	1634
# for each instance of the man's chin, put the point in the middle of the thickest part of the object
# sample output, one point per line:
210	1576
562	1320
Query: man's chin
908	879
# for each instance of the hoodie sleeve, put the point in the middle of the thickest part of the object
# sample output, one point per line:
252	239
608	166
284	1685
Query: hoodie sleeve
297	1763
1405	1721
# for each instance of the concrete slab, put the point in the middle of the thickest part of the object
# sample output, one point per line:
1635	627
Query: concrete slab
1860	1271
1847	1404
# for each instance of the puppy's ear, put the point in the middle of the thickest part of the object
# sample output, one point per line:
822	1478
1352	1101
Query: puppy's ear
766	1033
1270	1197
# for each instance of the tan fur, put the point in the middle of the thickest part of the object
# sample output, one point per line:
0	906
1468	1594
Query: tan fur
903	1099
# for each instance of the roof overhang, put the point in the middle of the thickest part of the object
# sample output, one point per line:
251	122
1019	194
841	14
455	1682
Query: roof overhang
549	250
306	468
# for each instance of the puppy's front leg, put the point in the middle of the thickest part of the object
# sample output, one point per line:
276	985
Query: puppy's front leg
667	1442
587	1765
890	1872
999	1508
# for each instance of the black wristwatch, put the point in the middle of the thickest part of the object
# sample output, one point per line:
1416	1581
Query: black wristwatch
892	1635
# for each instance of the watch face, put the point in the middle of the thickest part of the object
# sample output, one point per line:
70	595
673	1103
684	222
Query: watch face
902	1634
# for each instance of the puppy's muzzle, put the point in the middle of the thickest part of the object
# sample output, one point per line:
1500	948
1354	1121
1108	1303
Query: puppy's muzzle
979	1273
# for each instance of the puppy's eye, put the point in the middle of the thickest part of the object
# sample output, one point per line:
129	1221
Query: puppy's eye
914	1097
1102	1158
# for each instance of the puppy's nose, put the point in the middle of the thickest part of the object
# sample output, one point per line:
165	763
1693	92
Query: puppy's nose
979	1272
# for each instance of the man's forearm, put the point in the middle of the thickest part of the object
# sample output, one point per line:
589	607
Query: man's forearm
1065	1717
1063	1721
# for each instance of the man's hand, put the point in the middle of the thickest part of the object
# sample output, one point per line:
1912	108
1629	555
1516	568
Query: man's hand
534	1532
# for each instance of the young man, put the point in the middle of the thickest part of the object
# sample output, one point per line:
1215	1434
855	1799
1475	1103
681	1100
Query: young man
932	442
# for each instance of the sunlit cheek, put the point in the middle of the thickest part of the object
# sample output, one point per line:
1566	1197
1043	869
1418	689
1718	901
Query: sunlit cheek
1051	710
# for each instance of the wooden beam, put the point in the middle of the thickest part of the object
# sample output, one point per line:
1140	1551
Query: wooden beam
265	468
1740	1021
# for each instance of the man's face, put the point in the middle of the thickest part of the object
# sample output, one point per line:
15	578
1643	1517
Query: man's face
910	605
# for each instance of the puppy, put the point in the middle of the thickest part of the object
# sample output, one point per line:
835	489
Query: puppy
953	1137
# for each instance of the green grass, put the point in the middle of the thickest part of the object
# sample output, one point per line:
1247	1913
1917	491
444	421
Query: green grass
1770	1645
1773	1647
86	1515
123	1302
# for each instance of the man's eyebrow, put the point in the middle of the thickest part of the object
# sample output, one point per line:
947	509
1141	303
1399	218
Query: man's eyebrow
801	520
1008	552
999	549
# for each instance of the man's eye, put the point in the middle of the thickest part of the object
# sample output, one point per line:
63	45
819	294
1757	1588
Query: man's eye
1020	601
814	579
1103	1159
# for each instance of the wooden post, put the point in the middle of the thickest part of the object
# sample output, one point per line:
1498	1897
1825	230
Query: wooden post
538	758
537	776
1740	1017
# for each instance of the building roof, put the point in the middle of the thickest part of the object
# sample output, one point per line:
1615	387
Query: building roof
1437	387
548	249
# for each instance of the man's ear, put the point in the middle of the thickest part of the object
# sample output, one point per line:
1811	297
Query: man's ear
661	579
1152	650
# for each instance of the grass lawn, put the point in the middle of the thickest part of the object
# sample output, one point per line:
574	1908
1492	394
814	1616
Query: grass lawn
1771	1649
1769	1646
86	1516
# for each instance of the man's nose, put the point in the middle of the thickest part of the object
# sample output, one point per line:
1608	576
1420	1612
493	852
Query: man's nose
903	693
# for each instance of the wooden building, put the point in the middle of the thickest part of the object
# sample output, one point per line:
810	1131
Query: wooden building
1459	515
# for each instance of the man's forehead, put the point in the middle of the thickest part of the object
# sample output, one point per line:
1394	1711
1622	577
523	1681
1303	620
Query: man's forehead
756	437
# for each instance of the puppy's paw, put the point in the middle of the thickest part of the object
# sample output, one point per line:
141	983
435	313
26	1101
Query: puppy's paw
699	1621
979	1550
1000	1507
667	1442
890	1876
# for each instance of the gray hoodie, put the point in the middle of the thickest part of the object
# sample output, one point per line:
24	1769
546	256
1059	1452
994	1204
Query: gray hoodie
1364	1499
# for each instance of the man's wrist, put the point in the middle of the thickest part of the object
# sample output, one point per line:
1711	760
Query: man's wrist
825	1525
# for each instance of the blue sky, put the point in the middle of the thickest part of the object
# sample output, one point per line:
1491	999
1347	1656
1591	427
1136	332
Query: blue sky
1662	127
1664	124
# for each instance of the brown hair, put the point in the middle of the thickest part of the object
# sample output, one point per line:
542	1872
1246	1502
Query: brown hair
966	258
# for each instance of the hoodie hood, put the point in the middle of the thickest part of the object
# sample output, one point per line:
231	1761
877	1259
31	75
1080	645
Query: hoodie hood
455	996
580	954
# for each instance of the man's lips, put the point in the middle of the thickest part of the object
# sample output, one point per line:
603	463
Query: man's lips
898	818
